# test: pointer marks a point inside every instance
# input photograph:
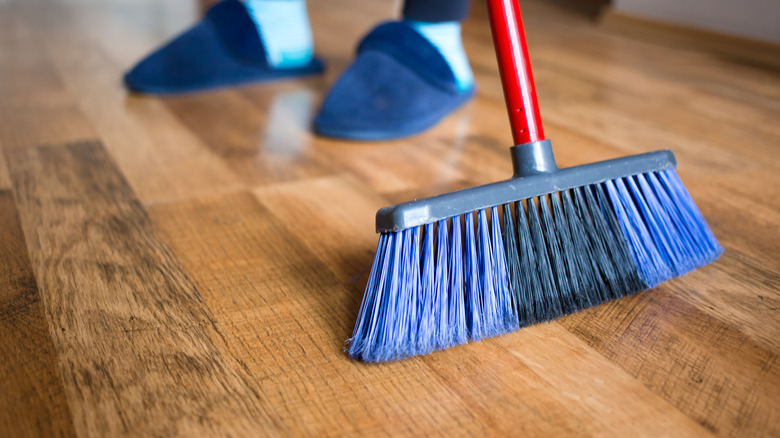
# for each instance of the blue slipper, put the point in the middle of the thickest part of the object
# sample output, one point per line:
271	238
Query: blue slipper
222	49
398	85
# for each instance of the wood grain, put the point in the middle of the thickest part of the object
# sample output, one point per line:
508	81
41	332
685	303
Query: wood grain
35	107
161	159
282	153
5	178
131	332
33	399
292	309
727	382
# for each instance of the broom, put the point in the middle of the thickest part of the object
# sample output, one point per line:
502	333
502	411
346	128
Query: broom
487	260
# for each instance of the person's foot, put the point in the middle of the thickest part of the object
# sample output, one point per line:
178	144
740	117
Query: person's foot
406	77
235	43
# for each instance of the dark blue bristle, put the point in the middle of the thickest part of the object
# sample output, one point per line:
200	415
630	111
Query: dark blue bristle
546	302
578	285
562	279
608	248
588	261
434	286
672	236
409	305
520	302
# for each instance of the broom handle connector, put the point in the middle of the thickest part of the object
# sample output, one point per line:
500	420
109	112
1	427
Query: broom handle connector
515	67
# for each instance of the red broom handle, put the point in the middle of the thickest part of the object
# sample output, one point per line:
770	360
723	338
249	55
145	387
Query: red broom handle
515	68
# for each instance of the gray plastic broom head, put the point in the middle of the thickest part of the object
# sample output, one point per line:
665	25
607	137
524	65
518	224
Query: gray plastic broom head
536	174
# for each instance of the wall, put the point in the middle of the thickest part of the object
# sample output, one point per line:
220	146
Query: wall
757	19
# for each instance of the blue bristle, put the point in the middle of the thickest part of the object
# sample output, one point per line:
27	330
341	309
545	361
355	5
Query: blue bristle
707	245
494	308
651	266
506	307
491	315
664	230
471	278
426	330
676	223
669	227
388	292
409	304
400	315
429	289
384	306
365	324
442	335
653	227
457	304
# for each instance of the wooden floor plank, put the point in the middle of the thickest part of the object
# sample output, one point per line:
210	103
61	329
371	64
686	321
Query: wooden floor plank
161	159
35	107
739	290
33	401
287	316
138	349
738	221
5	178
263	140
339	199
705	367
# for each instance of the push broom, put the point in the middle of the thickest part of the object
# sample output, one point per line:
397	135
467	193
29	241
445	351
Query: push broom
488	260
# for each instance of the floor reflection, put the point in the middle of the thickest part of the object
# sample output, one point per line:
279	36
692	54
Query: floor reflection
287	132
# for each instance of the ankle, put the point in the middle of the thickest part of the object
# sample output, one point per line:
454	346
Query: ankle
284	30
445	36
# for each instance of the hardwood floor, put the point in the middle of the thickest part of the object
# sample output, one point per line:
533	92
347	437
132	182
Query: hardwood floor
192	265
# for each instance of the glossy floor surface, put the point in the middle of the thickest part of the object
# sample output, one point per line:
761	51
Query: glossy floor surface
192	265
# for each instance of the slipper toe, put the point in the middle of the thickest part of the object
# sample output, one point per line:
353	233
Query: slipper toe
398	85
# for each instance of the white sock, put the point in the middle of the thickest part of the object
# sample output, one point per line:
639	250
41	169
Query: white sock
446	37
284	28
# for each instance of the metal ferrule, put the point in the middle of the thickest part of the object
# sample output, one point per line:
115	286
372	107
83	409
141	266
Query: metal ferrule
535	174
